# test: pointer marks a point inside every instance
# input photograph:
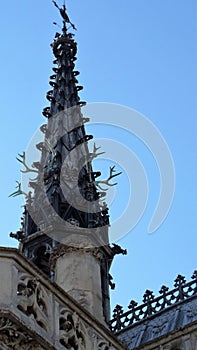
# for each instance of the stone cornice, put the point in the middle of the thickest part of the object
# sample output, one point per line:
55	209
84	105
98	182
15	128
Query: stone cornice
61	250
82	233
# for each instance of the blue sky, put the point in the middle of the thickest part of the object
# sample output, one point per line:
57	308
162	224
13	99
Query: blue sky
137	53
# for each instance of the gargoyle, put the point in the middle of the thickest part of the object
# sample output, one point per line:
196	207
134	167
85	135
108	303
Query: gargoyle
116	249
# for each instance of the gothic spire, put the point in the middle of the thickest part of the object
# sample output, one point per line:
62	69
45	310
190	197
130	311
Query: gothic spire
67	199
64	133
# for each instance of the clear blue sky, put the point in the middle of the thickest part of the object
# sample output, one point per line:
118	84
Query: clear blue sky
137	53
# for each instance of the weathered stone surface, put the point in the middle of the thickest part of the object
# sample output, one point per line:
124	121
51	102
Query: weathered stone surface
36	314
78	272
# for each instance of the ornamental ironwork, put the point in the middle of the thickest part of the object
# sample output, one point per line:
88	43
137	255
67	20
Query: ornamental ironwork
152	305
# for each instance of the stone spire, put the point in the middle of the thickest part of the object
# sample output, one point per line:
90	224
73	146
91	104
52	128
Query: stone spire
65	225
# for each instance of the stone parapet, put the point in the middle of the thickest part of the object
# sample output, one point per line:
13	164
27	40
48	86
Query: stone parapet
36	314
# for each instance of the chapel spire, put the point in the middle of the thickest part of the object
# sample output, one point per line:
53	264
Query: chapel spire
64	132
65	226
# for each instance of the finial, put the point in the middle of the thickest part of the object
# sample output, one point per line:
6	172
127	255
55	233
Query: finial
63	13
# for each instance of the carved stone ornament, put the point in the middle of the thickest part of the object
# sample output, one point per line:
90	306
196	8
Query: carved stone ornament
191	312
159	327
14	337
73	222
33	299
101	344
62	249
73	333
70	173
76	335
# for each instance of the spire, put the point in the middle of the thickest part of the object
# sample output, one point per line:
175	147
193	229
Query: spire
65	132
66	197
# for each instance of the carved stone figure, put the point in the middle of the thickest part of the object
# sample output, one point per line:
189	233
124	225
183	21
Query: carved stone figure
32	299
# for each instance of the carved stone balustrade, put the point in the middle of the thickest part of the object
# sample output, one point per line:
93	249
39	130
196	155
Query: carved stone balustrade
36	314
